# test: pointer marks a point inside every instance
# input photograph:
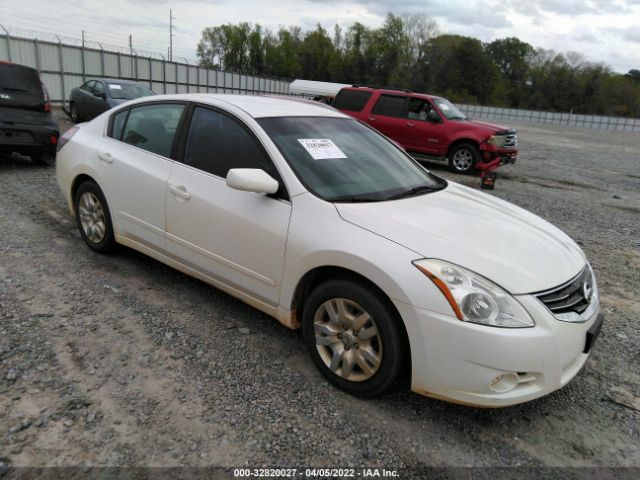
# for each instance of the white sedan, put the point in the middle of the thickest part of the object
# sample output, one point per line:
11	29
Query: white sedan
319	221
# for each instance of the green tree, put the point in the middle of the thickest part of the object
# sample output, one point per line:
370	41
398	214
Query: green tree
314	55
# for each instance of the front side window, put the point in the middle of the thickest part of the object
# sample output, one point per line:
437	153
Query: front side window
217	143
98	88
152	127
390	106
88	86
342	160
419	109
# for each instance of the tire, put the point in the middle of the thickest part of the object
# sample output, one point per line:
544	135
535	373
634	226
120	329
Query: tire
93	218
463	158
73	113
373	363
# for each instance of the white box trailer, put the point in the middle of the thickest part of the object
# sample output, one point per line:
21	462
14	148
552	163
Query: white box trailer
316	89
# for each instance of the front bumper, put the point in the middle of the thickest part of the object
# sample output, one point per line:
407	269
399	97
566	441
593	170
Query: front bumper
490	153
460	362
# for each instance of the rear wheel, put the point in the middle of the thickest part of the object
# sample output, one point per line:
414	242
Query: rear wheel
353	337
73	113
463	158
93	218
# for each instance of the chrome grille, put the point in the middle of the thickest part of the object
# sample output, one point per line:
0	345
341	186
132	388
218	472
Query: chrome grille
573	296
510	140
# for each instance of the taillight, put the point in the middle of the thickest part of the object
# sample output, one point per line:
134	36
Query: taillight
47	100
66	136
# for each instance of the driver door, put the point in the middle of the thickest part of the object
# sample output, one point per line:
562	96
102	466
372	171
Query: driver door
232	236
424	134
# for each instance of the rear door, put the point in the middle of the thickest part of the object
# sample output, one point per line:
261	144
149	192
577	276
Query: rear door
232	236
389	117
133	163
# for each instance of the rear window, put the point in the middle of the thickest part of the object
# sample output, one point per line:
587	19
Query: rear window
389	105
19	79
351	100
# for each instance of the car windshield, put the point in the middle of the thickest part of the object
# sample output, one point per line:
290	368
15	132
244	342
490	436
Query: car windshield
449	110
342	160
128	91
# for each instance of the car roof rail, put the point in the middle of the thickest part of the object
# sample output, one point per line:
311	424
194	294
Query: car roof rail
377	87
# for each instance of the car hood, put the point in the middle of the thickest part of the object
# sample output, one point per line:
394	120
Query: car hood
491	128
512	247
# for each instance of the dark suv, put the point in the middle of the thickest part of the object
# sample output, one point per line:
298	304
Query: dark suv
430	127
26	124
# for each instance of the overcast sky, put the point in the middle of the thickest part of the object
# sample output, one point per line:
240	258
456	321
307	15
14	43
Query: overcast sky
602	30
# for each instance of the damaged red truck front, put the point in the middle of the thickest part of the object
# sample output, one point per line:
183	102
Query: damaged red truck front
431	128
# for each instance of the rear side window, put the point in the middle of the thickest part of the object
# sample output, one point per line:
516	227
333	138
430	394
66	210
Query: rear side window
20	79
217	143
152	127
20	87
389	105
351	100
117	124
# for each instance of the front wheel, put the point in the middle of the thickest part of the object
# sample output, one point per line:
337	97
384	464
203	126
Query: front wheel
463	158
93	218
353	337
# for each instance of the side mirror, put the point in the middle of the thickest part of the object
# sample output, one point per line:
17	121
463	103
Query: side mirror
433	116
101	95
252	180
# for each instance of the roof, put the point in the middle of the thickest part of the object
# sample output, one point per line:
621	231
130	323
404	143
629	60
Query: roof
392	91
112	80
259	106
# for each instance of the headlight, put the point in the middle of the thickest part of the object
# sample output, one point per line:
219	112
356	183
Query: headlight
474	298
492	140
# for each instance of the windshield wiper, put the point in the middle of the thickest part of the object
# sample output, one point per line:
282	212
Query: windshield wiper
413	191
355	199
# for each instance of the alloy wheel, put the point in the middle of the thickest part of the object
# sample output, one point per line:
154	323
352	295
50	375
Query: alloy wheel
462	160
347	339
92	217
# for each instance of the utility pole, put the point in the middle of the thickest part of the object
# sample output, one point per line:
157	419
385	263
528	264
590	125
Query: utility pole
131	44
82	38
171	19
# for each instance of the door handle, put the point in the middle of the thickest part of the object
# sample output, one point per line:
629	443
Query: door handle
372	119
180	191
105	157
411	124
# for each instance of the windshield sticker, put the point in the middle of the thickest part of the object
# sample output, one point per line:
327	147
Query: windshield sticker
115	86
321	148
444	106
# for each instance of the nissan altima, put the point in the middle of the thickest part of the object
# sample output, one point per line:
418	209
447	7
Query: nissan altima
321	222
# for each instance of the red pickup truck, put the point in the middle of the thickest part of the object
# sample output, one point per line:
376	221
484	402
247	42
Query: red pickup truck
430	128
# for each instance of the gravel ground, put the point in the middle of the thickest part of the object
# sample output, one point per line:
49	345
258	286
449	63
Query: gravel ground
121	361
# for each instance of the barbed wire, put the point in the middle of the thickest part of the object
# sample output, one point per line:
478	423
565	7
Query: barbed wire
15	32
